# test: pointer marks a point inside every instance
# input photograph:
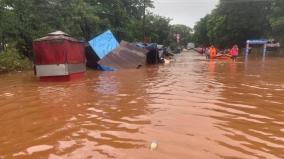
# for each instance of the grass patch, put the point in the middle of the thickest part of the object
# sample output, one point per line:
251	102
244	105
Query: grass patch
11	60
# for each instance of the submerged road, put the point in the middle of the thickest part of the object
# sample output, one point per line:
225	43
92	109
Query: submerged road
192	108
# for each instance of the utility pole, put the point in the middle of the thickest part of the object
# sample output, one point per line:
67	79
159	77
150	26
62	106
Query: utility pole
144	19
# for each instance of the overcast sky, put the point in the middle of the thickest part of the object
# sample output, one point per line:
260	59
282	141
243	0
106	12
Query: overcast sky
186	12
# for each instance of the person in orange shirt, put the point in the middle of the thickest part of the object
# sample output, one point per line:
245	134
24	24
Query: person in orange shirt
213	52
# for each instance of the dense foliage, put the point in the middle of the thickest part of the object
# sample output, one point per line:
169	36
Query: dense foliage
25	20
277	19
22	21
12	60
157	28
185	35
233	22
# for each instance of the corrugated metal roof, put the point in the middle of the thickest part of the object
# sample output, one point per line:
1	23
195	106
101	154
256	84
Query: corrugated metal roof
57	35
126	56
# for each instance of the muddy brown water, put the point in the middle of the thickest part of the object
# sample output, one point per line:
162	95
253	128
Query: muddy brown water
192	108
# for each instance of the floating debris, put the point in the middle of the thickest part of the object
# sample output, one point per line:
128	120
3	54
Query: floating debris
153	146
8	94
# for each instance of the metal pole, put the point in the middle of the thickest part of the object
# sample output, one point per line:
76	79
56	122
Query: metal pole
246	55
264	52
247	49
264	49
144	19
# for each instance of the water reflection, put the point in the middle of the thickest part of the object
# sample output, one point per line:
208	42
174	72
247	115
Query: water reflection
107	84
211	66
251	112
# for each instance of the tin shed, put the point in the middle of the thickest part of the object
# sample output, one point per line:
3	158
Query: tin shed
58	56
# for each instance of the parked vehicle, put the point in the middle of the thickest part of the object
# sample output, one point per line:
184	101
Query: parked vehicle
190	46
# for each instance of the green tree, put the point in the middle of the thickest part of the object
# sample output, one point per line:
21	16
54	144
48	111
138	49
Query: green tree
277	19
26	20
22	21
200	36
233	22
157	28
185	33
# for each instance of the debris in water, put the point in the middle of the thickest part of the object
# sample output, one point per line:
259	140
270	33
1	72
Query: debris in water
153	146
8	94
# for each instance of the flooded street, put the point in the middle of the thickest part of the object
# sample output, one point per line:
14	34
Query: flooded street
193	108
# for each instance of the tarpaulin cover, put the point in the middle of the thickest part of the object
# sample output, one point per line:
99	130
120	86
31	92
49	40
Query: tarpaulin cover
104	44
125	56
58	52
105	68
152	54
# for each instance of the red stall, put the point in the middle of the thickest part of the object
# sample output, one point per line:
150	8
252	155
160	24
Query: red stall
59	57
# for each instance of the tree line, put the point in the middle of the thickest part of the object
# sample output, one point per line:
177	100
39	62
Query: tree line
22	21
234	22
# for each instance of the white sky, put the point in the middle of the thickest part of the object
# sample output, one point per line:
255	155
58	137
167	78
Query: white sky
186	12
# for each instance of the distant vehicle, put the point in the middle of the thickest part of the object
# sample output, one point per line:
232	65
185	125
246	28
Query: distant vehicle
190	46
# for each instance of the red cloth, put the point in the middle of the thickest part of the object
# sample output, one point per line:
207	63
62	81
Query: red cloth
58	52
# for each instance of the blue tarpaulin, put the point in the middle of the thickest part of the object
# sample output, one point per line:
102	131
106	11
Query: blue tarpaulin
104	44
105	68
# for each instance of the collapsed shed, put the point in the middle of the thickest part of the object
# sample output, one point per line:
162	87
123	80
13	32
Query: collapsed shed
58	56
99	47
153	54
126	56
105	53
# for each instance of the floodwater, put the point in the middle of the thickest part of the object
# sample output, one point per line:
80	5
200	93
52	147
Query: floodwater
192	108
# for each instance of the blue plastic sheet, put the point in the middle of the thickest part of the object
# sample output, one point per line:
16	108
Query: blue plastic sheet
104	44
105	68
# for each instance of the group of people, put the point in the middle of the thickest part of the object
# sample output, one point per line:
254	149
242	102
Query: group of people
212	52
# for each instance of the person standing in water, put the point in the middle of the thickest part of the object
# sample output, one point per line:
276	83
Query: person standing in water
213	52
234	52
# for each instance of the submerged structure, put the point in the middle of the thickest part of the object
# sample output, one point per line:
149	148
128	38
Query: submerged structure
106	54
153	54
59	57
99	47
268	45
249	43
126	56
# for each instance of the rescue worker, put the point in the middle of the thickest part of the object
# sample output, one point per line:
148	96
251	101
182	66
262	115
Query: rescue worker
213	52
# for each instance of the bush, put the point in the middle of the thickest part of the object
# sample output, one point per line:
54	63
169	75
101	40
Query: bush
12	60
